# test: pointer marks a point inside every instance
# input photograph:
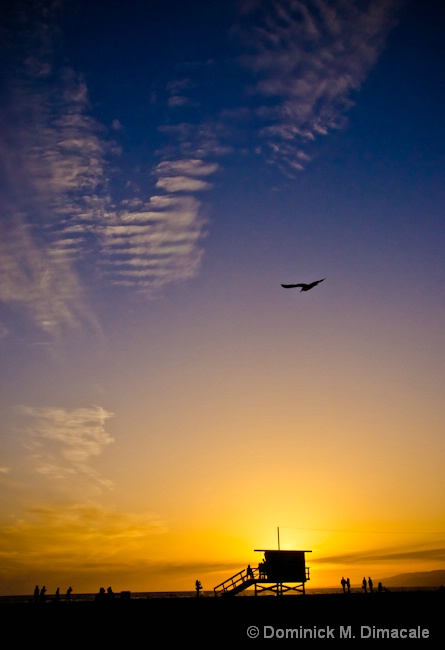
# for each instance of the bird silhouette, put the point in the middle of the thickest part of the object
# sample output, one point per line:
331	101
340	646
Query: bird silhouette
304	287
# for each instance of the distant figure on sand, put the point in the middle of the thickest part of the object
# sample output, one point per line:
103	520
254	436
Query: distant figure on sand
57	595
348	585
68	593
364	585
249	572
110	593
43	594
343	585
198	587
370	583
101	595
36	594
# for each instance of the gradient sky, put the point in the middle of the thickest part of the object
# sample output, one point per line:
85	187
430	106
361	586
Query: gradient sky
165	404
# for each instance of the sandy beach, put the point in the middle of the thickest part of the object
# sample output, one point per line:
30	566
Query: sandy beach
403	616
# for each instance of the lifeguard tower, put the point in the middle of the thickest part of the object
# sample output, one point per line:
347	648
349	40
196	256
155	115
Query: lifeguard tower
279	572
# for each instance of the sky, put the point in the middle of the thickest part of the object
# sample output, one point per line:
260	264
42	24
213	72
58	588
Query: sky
166	406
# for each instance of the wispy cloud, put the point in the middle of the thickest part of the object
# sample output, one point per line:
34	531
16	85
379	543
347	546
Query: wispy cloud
64	442
63	228
76	539
308	57
36	277
52	175
159	241
177	96
412	553
86	544
90	520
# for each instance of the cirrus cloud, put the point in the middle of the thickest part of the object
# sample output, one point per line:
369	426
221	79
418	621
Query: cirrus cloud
64	442
307	58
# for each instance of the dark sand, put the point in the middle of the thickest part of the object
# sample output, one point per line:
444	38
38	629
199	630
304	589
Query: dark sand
210	621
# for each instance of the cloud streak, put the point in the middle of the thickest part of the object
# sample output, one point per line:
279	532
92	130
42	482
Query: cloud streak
65	442
307	59
436	554
75	540
63	228
36	277
159	241
53	170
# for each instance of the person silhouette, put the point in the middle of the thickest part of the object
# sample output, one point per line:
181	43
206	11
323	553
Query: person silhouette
364	585
101	595
198	587
348	585
370	583
68	593
343	584
57	595
249	572
110	593
36	594
43	594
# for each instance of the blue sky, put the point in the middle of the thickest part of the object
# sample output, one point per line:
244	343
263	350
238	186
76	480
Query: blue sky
164	169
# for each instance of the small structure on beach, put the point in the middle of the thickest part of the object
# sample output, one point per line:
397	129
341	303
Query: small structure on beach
279	572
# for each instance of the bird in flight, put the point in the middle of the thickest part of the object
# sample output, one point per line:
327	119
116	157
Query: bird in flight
304	287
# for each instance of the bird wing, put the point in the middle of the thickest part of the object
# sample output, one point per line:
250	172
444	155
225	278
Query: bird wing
291	286
314	284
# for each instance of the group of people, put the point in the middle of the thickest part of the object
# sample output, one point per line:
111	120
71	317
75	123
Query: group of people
261	571
380	587
41	597
40	594
366	584
104	595
346	585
